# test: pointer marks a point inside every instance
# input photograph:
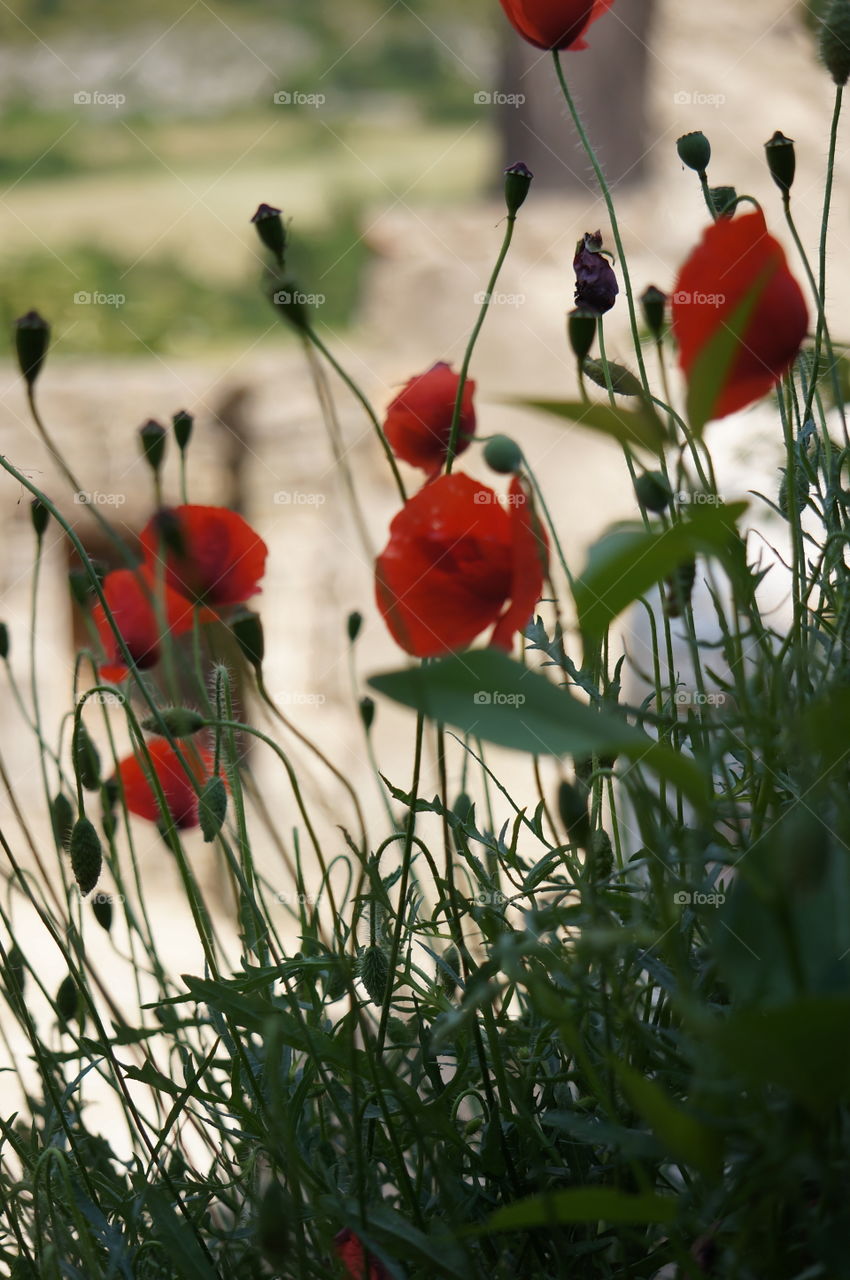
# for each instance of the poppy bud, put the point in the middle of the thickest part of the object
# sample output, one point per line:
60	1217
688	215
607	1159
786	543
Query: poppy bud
623	381
271	230
835	41
247	628
448	976
694	151
40	517
4	641
367	712
654	302
62	819
182	422
517	182
781	161
32	336
653	491
723	200
152	438
287	298
374	973
86	855
572	807
600	860
101	905
180	722
581	330
503	455
68	1003
596	284
85	757
353	626
801	492
212	808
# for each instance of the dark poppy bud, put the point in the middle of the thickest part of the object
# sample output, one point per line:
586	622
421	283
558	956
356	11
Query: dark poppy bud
367	712
572	807
374	971
182	422
62	820
4	641
503	454
354	625
32	337
152	438
68	1002
180	722
835	41
596	284
694	151
724	200
85	757
101	905
800	497
623	381
271	230
600	855
247	627
581	330
86	855
653	491
288	299
654	303
212	808
449	971
781	161
517	182
40	517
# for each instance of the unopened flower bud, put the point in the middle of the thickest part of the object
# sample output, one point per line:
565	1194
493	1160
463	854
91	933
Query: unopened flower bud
32	337
517	182
4	642
101	905
40	517
152	438
581	330
68	1003
86	855
781	160
367	712
448	975
653	491
182	422
271	230
724	200
835	41
694	151
247	628
503	454
180	722
287	298
374	973
596	284
212	808
354	625
600	855
85	758
62	820
654	303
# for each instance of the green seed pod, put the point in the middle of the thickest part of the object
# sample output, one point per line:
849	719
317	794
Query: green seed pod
180	722
271	230
212	808
101	905
273	1217
623	381
287	298
654	304
153	439
653	491
68	1003
354	625
247	629
32	337
503	455
581	331
600	855
62	815
835	41
374	973
518	180
724	200
573	811
367	712
448	981
182	422
4	641
781	161
40	517
85	758
694	151
801	492
86	855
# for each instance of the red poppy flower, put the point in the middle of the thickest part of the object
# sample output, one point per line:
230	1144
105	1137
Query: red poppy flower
738	262
419	420
212	555
454	560
130	596
352	1255
180	795
554	24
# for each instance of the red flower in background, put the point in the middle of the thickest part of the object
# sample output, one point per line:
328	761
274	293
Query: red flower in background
737	260
180	795
212	555
454	560
352	1255
130	596
419	420
554	24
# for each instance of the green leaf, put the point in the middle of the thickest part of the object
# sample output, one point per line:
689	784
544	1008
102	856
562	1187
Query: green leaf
487	694
686	1138
580	1204
185	1253
635	427
628	561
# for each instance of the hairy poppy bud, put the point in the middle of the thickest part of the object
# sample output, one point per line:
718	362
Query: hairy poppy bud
367	712
724	200
694	151
654	303
4	641
653	491
596	284
86	855
182	422
152	438
581	330
835	41
623	381
572	807
101	905
247	628
32	336
212	808
503	455
62	819
271	230
40	517
517	182
600	859
354	625
448	975
180	722
85	757
781	160
374	973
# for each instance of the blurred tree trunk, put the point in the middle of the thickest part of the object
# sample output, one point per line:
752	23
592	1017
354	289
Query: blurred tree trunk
609	83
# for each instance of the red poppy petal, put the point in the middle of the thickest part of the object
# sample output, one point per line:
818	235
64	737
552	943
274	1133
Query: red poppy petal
222	558
130	595
418	422
350	1251
530	562
179	793
550	24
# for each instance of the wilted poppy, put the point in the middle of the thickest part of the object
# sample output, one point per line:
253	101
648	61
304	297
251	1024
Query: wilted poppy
419	420
130	595
212	555
352	1255
596	284
554	24
458	562
180	795
739	273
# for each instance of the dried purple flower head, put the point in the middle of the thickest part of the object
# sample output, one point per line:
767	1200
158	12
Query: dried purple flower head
596	284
